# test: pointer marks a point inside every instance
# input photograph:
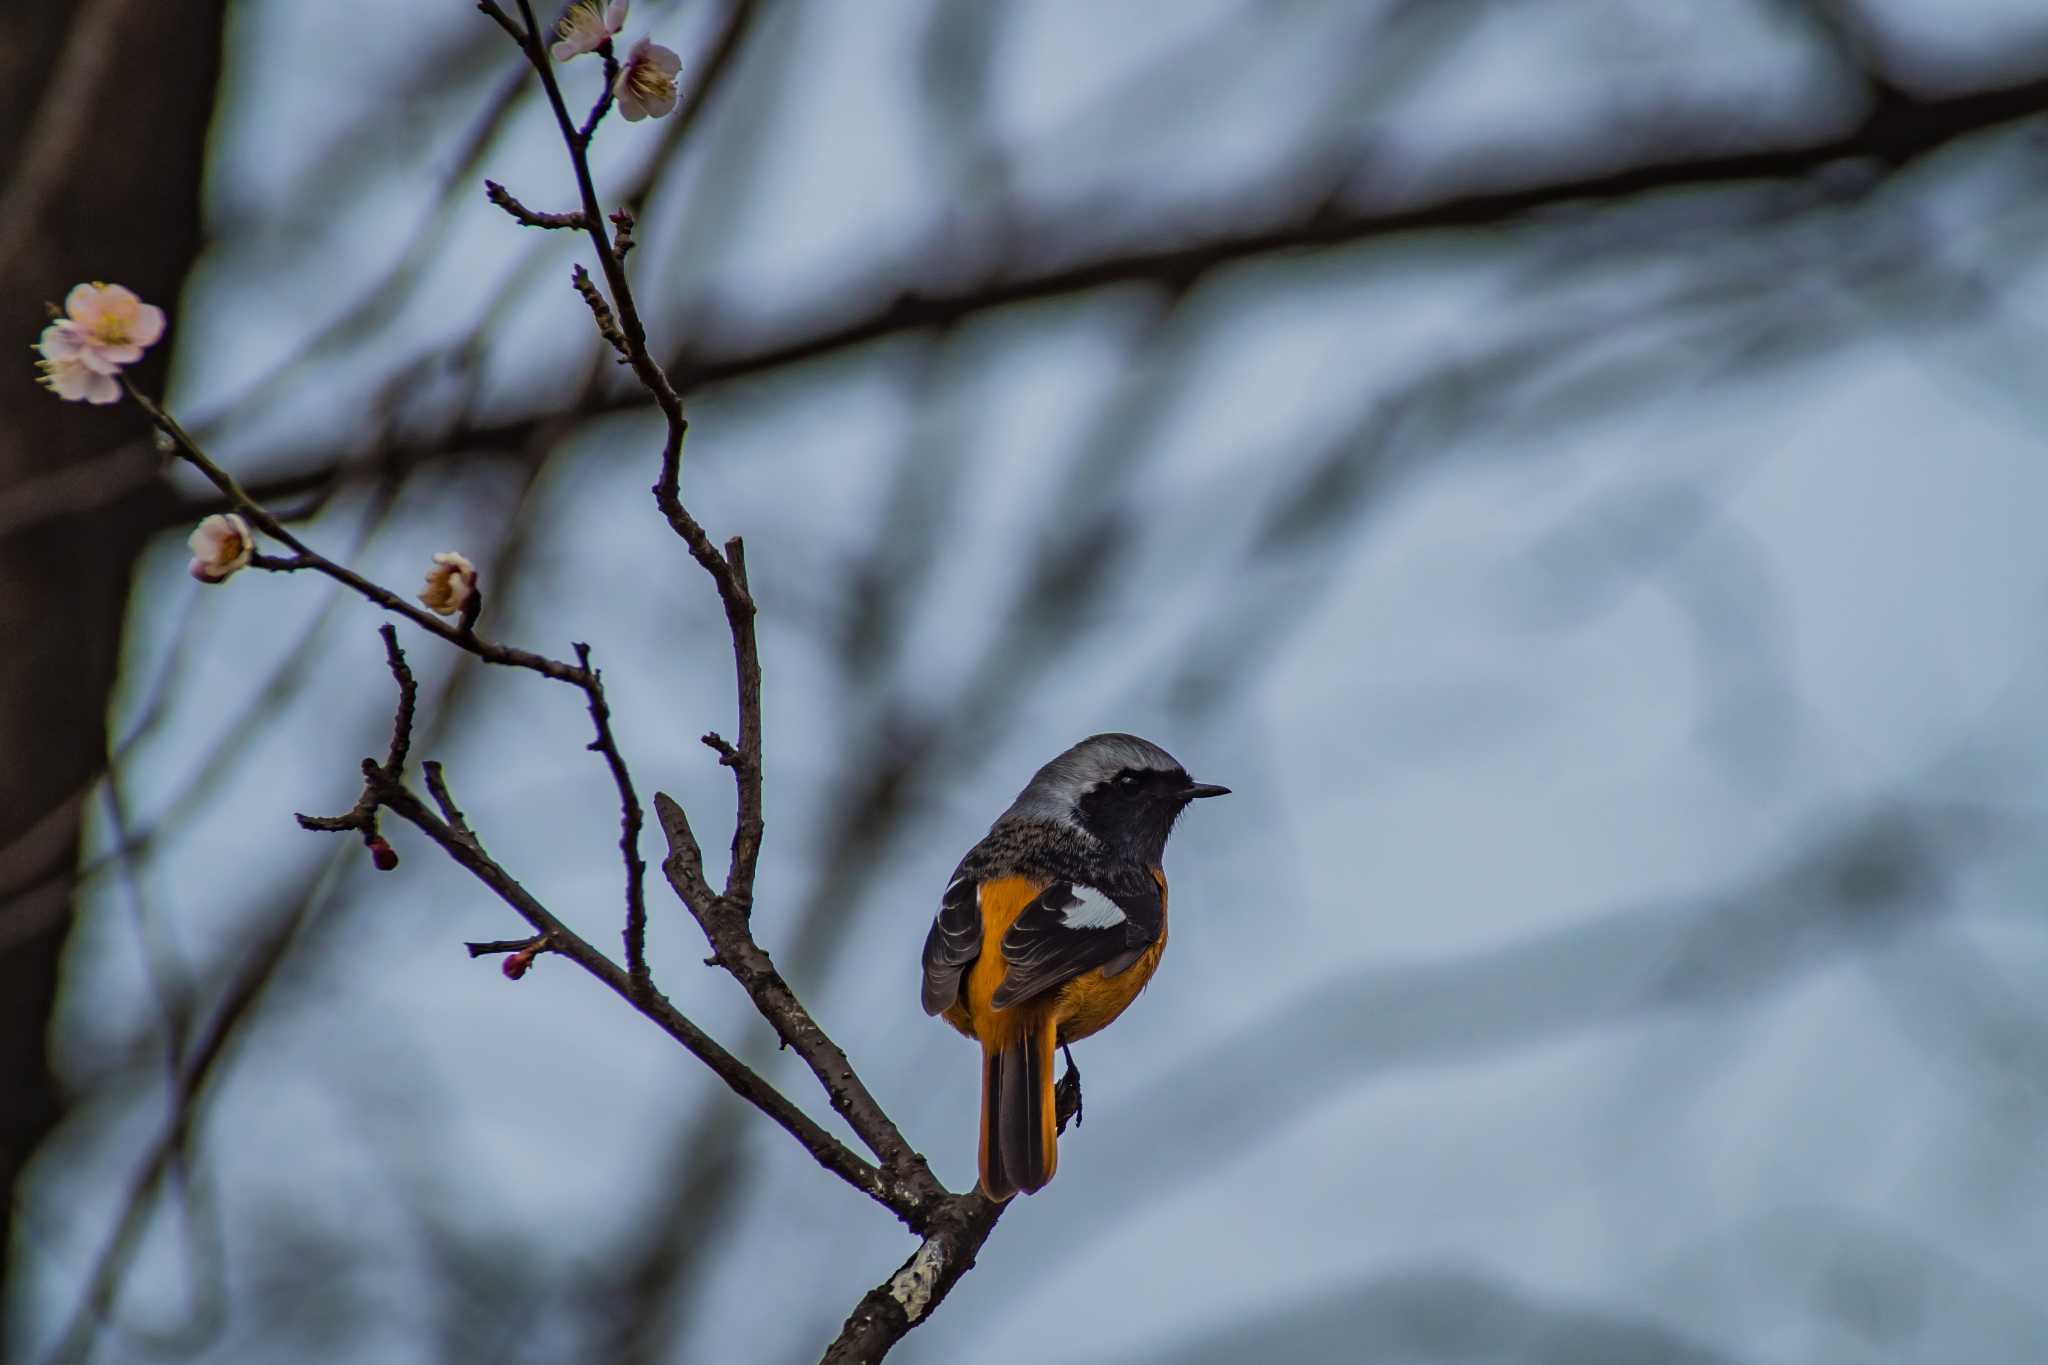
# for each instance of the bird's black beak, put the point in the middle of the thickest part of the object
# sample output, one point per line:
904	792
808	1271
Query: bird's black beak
1196	790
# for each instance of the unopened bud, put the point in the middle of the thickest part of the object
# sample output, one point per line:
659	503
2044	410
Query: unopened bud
517	963
451	584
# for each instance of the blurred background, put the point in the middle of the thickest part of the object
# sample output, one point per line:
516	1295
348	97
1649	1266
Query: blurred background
1573	467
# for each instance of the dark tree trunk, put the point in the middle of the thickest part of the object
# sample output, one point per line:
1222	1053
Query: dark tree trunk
104	110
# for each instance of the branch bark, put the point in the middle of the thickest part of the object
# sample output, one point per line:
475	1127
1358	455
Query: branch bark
384	789
725	924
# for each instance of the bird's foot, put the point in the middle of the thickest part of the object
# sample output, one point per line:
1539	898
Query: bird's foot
1066	1096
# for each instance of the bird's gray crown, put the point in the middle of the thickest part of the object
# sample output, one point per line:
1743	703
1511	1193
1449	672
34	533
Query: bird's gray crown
1056	789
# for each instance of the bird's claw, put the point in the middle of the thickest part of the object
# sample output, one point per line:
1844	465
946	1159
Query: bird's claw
1067	1094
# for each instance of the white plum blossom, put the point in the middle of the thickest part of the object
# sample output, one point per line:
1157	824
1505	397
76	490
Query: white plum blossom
450	584
588	26
105	327
220	546
646	87
74	382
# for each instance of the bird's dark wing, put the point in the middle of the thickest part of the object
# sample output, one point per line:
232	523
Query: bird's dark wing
1073	928
954	941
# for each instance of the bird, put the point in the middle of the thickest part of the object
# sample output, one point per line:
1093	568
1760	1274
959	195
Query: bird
1049	928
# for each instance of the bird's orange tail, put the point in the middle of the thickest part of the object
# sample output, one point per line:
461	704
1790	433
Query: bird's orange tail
1018	1140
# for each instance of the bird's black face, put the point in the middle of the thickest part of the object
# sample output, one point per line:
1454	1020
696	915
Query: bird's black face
1134	811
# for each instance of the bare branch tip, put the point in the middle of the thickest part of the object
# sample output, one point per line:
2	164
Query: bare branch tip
437	787
675	825
503	945
520	213
600	311
408	699
503	20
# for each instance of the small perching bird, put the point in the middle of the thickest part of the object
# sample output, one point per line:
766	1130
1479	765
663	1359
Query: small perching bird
1050	927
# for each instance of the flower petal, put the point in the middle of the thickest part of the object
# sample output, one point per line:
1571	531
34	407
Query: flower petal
83	302
71	381
61	341
148	328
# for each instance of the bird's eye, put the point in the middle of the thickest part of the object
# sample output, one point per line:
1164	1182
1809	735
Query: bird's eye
1127	781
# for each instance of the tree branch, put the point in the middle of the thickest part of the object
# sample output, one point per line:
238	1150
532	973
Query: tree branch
629	827
1187	243
725	926
888	1312
186	448
453	835
1177	248
723	916
502	197
954	1236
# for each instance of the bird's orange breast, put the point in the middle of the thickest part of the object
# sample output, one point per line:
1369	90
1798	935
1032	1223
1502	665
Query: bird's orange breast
1091	1001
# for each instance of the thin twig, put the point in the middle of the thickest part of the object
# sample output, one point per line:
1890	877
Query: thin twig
600	311
504	20
308	558
505	945
363	818
630	819
463	846
746	839
634	335
437	787
502	197
604	96
408	699
728	571
593	216
384	790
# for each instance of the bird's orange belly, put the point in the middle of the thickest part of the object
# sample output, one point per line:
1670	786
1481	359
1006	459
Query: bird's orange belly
1091	1000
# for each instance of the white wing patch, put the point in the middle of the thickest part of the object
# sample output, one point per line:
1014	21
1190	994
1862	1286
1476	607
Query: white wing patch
1091	910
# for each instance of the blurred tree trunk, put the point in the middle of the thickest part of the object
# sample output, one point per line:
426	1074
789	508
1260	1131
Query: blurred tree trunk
105	106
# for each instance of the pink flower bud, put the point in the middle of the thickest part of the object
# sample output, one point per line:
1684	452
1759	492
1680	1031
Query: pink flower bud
450	584
221	545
